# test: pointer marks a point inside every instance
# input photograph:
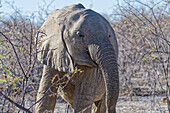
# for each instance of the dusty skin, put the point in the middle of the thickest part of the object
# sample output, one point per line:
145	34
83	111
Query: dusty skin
78	38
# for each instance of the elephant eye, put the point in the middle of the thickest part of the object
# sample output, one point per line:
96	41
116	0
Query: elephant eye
80	34
109	35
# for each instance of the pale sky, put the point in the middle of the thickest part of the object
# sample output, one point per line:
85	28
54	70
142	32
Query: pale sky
101	6
32	6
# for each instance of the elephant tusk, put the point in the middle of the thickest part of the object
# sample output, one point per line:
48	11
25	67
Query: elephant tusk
118	64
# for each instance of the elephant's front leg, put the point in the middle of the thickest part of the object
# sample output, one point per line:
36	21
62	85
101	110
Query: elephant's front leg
46	97
85	92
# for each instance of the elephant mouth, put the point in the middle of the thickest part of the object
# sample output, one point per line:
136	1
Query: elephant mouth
88	54
85	59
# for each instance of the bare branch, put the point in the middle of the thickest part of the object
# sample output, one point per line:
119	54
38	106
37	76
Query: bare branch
16	104
15	53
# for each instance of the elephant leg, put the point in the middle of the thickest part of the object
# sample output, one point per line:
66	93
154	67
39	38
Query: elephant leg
101	107
46	96
85	92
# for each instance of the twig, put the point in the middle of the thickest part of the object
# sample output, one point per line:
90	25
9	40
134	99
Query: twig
15	53
30	70
16	104
71	75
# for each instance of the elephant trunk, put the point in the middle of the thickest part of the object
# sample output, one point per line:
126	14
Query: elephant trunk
104	55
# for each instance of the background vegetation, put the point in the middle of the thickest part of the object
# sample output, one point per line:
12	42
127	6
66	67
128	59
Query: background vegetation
144	53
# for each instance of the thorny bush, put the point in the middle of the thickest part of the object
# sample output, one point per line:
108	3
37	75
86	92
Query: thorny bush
144	53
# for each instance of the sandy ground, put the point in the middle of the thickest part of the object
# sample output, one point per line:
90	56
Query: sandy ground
136	104
139	104
147	104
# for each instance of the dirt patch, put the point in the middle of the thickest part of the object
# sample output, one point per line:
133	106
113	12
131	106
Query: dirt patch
136	104
139	104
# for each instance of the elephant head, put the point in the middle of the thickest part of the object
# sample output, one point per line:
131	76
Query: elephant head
78	36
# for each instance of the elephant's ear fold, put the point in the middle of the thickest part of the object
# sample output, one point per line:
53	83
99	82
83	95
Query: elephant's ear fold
52	50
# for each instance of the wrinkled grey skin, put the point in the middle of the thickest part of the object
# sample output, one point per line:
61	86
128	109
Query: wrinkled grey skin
78	37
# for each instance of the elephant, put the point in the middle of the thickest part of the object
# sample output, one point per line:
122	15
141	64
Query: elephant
75	38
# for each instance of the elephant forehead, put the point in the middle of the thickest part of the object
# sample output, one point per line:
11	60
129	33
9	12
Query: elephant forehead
95	24
89	24
82	14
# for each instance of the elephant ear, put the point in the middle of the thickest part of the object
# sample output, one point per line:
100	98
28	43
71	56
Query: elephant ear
52	50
